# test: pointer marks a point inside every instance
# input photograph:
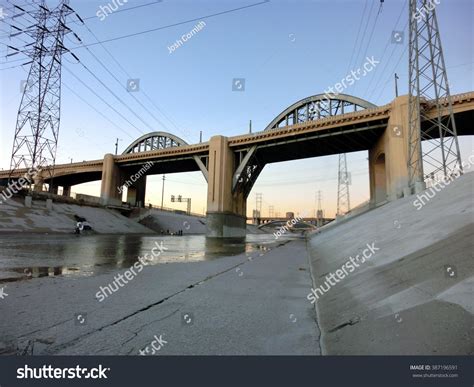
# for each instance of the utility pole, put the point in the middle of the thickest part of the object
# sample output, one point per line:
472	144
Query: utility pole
250	127
37	125
343	182
163	191
428	87
200	136
396	85
116	145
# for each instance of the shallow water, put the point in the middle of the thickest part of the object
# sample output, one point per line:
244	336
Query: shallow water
29	256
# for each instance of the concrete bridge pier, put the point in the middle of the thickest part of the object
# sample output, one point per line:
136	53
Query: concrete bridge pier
66	190
38	182
136	193
111	181
388	158
226	211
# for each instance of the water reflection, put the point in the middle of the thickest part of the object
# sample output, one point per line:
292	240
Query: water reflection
67	255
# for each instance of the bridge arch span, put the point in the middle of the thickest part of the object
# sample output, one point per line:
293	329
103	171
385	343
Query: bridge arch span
153	141
307	109
161	140
318	106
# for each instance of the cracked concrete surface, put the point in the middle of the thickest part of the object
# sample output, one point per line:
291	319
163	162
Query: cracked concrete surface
252	303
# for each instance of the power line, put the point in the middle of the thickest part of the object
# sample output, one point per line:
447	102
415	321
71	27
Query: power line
121	85
116	79
116	96
357	37
129	76
363	35
126	9
371	36
386	47
98	96
172	25
96	110
141	89
390	74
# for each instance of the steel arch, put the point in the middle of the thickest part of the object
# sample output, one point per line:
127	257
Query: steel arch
154	141
161	140
318	106
307	109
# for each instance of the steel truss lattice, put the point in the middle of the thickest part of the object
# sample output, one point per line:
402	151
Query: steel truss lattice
428	88
37	126
343	182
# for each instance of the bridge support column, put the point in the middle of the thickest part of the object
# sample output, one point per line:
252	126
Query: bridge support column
38	181
226	211
136	193
109	194
67	190
388	158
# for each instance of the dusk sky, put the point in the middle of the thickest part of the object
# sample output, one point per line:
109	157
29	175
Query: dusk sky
284	51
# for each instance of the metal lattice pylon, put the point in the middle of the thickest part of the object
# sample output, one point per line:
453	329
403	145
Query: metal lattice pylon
37	125
343	182
258	204
429	89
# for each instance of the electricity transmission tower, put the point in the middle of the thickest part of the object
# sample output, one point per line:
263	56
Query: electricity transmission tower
319	212
428	88
271	211
37	125
343	182
258	204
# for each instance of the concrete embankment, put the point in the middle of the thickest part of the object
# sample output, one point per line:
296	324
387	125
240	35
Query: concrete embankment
16	217
172	222
415	294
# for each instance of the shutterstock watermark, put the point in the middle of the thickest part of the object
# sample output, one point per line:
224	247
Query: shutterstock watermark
16	186
151	349
345	82
348	267
120	280
136	176
106	10
50	372
423	198
428	7
185	37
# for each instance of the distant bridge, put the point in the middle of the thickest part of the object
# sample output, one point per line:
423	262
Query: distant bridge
270	221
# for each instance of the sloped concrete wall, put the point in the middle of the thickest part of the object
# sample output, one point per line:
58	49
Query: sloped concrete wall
415	294
15	217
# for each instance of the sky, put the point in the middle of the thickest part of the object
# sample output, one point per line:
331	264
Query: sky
285	51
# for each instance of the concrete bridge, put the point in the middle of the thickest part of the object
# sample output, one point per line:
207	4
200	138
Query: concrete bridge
269	220
312	127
